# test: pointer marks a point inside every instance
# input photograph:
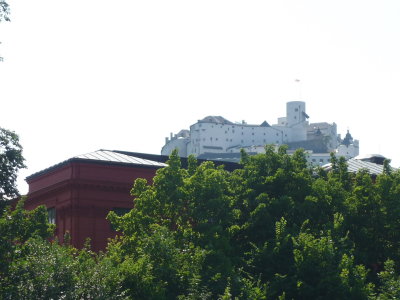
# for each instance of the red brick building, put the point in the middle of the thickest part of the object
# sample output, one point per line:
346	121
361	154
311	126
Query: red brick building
81	191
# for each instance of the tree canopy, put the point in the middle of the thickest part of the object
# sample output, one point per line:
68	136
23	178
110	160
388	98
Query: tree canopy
272	229
11	160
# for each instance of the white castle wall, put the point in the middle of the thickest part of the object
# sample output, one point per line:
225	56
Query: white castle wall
217	135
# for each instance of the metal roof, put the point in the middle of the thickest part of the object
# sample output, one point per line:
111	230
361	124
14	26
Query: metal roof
265	124
111	156
355	165
108	157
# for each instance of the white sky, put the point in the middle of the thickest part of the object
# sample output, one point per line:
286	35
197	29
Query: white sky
79	76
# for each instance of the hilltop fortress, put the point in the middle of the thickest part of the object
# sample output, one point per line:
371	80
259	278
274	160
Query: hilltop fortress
216	138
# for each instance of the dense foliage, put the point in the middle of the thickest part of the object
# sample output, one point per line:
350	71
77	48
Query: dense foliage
11	160
273	229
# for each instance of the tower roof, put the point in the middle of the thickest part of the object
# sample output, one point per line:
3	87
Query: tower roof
348	139
265	124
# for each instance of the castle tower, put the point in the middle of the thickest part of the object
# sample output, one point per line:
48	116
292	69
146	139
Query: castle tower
295	113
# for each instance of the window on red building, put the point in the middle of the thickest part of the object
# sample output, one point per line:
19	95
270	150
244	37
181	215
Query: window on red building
51	214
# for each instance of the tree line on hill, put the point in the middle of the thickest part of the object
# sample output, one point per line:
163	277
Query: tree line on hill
273	229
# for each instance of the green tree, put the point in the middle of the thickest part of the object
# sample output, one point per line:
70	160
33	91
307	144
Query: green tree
171	236
243	233
11	160
47	270
17	226
33	267
390	282
364	220
388	193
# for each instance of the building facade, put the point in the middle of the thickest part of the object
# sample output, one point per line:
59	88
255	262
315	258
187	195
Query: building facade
81	191
215	137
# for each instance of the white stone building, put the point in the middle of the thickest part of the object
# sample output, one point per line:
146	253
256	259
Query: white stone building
214	137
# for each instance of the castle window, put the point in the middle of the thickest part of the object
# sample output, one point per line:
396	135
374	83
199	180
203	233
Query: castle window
296	109
216	139
242	133
252	133
241	141
277	134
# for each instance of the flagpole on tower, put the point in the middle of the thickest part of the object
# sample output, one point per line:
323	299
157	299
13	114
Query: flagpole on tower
298	83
